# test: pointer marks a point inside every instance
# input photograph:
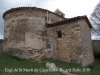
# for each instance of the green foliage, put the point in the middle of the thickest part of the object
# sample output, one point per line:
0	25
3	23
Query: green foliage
16	58
97	54
91	66
12	62
96	49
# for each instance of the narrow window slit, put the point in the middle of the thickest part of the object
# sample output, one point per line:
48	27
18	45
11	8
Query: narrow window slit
59	33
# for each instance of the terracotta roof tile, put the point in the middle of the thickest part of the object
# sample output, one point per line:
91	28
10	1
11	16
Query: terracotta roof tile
35	8
69	20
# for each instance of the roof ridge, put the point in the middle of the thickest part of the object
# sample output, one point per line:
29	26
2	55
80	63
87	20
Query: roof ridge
69	20
19	8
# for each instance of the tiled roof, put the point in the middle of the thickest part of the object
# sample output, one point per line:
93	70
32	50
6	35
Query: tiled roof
33	8
69	20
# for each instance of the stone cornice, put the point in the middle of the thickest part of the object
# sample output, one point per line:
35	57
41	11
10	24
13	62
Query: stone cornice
33	8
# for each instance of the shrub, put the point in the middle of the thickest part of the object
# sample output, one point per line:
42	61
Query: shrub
1	47
97	54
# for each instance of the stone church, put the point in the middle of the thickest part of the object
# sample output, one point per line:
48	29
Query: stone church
39	34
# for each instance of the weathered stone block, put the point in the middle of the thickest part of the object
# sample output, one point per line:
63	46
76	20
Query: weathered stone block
28	34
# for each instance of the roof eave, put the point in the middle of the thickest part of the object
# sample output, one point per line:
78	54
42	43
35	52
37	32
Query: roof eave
69	20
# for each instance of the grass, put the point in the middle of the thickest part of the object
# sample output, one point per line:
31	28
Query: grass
10	65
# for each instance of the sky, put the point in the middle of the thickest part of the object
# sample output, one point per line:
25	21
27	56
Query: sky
71	8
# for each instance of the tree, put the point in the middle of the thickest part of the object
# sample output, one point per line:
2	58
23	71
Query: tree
95	20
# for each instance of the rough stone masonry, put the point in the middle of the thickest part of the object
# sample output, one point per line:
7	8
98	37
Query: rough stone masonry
37	33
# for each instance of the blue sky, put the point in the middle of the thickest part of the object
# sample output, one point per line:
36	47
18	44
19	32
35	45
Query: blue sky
71	8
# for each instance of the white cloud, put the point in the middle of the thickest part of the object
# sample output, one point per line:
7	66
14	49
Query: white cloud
70	8
95	37
73	7
1	36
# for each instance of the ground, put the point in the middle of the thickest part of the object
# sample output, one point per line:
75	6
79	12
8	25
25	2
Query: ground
10	65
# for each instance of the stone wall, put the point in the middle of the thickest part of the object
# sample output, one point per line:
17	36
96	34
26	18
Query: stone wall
87	56
27	35
25	32
72	47
32	12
